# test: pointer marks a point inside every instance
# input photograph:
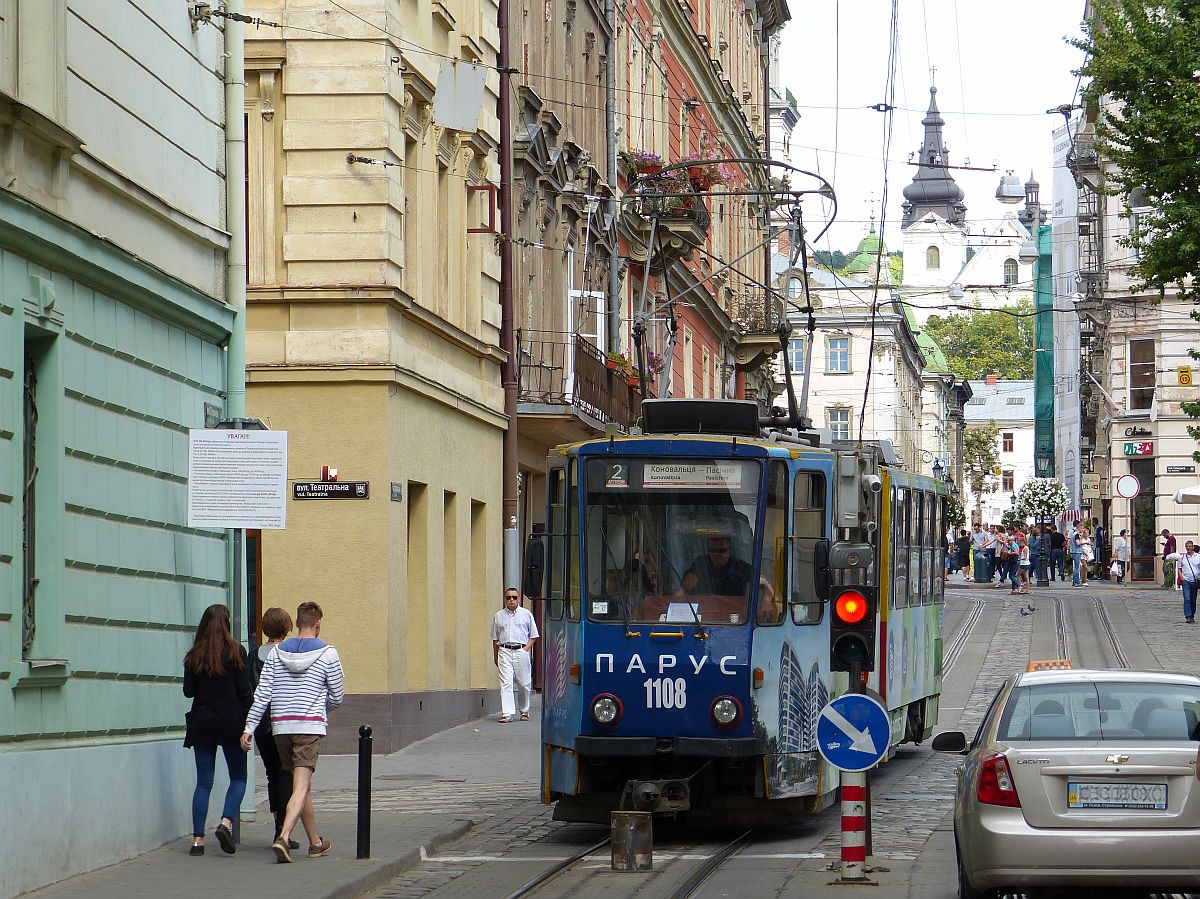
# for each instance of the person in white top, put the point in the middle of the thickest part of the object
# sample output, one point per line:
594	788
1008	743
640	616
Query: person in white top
513	633
1121	554
1189	573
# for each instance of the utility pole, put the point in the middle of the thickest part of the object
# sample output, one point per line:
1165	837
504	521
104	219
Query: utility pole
508	343
614	202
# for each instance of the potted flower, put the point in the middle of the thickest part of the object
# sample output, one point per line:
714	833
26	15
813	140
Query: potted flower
615	362
655	362
642	162
633	376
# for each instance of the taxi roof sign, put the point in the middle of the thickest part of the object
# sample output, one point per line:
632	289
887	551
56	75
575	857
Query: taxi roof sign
1049	665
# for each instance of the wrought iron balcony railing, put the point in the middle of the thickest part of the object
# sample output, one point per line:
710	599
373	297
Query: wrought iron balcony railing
559	369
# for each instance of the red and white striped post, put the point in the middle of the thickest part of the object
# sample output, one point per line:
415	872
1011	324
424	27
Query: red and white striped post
854	825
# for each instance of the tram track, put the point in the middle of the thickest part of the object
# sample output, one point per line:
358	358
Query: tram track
1122	660
710	864
962	636
1060	630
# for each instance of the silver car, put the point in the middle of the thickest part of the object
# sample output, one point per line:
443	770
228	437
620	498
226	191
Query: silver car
1080	778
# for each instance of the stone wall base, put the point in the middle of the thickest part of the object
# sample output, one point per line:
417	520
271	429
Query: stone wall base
398	719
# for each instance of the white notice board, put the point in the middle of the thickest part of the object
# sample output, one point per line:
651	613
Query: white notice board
237	479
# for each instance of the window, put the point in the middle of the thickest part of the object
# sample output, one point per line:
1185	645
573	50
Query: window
933	258
770	604
689	365
839	423
796	349
838	360
706	356
1015	401
1006	442
795	288
1006	482
1141	373
1010	272
808	526
1137	211
976	401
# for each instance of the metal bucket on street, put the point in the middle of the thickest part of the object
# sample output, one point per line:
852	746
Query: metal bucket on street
632	841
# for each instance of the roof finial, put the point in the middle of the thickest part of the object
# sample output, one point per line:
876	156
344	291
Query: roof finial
933	76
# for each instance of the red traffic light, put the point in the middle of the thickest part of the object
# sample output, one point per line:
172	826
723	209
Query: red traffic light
851	607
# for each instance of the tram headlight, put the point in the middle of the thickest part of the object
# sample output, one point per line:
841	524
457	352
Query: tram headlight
726	711
606	709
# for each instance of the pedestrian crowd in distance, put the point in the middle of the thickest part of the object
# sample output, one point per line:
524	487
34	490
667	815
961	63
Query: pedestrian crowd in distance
280	701
992	553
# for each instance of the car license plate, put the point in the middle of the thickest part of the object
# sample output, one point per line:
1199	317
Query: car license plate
1117	795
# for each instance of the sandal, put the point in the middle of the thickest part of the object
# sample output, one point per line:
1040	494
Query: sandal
503	719
524	717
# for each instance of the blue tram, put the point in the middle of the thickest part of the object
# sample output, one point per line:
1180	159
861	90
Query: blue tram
686	634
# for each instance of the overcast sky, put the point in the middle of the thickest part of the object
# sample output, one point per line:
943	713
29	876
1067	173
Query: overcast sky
999	67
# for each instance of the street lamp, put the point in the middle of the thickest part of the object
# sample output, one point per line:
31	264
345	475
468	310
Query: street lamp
938	468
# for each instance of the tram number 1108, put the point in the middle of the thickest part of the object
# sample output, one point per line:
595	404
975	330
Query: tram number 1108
665	693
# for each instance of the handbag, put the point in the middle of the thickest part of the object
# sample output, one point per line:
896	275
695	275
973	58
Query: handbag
1088	555
1115	568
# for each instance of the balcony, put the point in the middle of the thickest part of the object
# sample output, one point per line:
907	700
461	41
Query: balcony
683	222
566	392
759	316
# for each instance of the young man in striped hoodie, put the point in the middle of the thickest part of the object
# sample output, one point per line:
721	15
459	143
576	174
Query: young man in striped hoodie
301	680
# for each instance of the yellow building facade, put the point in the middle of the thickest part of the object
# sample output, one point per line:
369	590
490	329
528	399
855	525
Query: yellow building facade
373	340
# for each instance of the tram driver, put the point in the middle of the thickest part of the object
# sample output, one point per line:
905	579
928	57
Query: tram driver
719	572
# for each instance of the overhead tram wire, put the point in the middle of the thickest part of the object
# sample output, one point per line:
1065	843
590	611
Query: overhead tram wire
889	121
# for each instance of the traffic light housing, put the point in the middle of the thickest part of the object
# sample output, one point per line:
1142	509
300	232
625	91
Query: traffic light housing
853	613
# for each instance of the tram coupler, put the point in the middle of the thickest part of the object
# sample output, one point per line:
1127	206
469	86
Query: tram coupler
658	796
632	841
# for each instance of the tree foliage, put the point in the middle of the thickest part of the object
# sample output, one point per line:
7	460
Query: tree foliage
1146	57
982	343
834	260
980	459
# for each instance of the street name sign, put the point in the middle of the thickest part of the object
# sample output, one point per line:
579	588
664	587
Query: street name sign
237	479
853	732
331	490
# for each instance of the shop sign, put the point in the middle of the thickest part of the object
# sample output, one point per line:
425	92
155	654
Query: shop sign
1091	485
1143	448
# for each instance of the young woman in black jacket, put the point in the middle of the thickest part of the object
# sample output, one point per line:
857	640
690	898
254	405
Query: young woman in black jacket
217	678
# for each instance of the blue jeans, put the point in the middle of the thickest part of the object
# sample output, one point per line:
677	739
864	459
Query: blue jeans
1076	561
206	765
1057	564
1189	599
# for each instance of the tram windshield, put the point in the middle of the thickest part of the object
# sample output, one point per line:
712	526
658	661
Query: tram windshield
670	540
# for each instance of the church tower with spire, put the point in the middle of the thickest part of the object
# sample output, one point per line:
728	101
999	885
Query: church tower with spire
933	188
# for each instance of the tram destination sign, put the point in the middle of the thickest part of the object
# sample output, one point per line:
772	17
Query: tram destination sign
331	490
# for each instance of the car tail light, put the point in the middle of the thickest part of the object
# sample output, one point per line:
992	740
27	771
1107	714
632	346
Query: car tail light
995	785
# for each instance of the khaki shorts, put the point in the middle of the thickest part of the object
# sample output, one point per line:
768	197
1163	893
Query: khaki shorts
298	750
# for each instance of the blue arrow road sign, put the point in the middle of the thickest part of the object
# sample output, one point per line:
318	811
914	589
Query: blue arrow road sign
853	732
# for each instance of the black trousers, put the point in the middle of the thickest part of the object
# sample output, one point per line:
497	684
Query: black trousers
279	781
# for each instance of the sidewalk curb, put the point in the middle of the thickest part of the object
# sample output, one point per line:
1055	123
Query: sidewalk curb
389	869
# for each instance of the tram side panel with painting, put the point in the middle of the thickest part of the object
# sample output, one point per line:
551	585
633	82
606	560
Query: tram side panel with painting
911	601
686	637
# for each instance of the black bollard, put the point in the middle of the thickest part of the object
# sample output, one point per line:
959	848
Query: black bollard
364	791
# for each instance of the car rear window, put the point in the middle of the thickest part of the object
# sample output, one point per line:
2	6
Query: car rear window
1101	711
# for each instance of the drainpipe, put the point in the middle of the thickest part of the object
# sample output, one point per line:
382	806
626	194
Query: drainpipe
235	296
510	511
614	203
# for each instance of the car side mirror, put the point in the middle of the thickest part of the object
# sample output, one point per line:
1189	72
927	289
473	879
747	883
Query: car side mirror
950	741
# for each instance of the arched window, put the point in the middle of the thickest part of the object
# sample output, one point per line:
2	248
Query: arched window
933	258
1010	271
795	288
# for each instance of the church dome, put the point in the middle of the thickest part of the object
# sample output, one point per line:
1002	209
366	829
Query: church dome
868	251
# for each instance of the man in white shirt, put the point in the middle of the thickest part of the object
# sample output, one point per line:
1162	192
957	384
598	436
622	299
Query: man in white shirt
1189	573
513	633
